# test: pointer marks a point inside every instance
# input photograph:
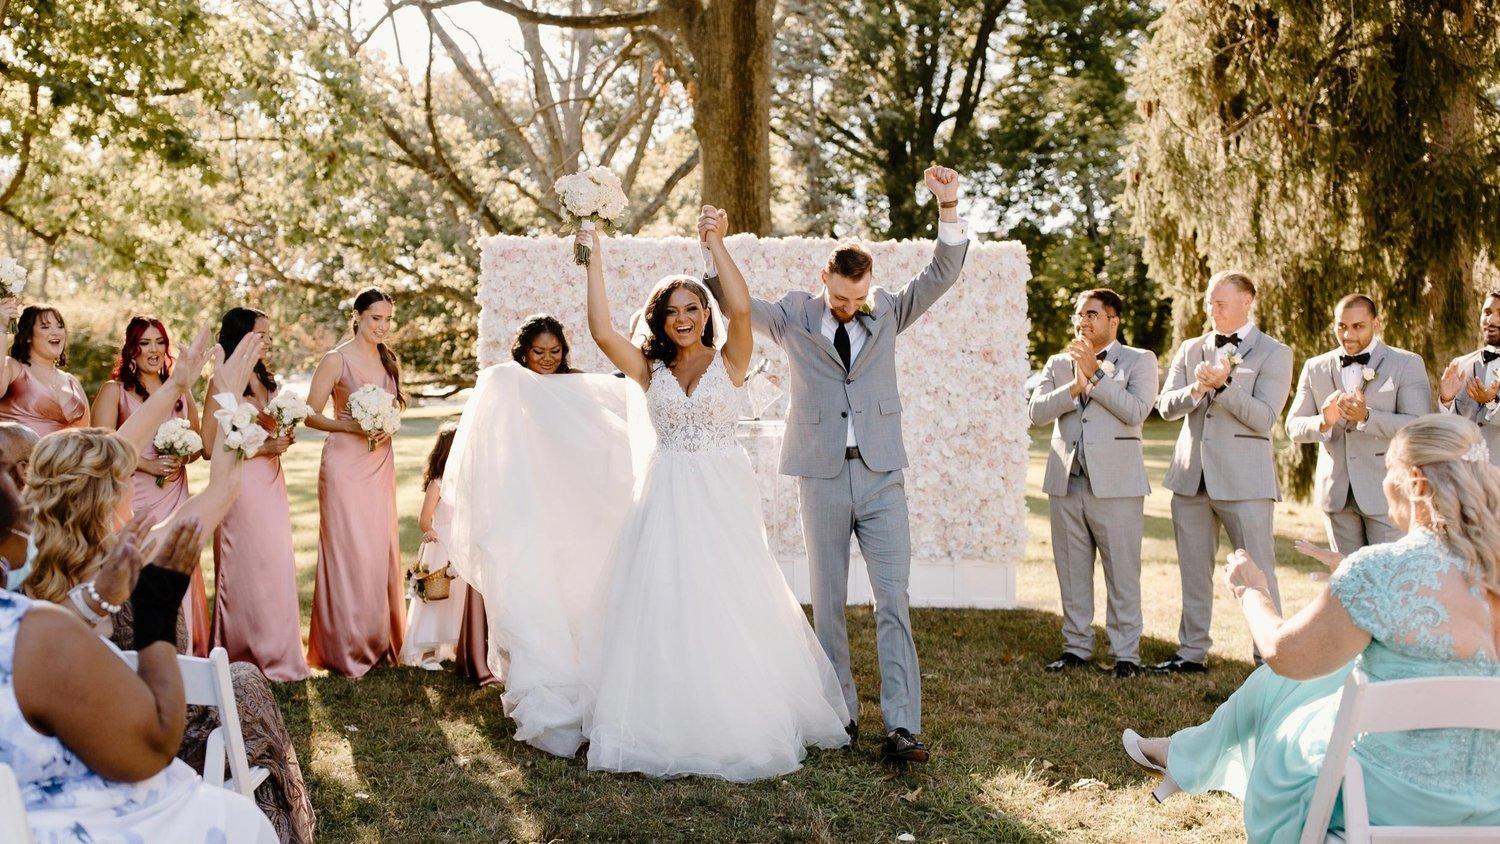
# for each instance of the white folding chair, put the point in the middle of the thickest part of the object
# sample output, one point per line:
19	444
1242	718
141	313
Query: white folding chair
205	682
13	825
1396	705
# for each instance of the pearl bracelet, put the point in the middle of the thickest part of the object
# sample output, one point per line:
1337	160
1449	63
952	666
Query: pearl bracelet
89	614
94	595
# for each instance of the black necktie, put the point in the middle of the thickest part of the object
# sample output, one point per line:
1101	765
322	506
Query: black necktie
1488	356
1223	339
1350	360
841	343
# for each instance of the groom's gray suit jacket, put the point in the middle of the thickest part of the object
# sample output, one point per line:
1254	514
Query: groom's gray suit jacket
823	395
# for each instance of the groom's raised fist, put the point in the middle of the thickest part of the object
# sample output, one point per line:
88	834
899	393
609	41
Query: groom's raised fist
943	182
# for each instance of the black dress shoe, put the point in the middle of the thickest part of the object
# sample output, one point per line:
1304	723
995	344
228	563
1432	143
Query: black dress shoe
1124	670
1178	665
1066	661
852	728
901	746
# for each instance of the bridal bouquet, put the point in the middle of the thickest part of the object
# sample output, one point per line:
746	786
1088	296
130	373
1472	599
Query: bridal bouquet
591	197
175	438
376	412
12	281
287	410
243	433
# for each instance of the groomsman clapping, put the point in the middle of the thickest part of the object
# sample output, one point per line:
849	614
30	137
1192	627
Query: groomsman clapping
1097	392
1229	386
1351	401
1471	384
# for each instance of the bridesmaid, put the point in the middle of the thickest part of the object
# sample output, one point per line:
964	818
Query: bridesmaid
541	346
256	613
160	483
34	390
359	614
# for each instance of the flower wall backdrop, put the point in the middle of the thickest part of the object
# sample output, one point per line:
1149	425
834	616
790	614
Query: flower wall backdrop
962	368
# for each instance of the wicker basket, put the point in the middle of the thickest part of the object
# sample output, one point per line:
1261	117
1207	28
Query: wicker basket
433	585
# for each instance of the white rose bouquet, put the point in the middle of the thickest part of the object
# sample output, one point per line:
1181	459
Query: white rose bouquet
287	410
175	438
12	281
376	412
243	433
591	197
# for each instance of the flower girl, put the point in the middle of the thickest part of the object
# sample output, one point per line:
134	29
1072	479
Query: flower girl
432	626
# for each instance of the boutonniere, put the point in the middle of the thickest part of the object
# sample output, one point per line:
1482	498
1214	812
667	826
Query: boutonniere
1107	368
1368	374
1234	359
866	309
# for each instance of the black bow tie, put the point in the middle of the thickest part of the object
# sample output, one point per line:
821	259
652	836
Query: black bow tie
1350	360
1100	356
1223	339
1488	356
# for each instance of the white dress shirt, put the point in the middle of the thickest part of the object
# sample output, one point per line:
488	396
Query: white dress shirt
1489	375
1352	379
953	234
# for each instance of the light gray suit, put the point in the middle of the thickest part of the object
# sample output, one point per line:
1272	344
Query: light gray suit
1223	471
1348	483
1096	487
1487	419
866	497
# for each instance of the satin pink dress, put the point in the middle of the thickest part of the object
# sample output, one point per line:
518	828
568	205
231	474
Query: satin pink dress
359	611
256	614
159	502
31	403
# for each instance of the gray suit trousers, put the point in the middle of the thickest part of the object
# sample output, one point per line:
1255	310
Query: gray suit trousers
1196	520
872	506
1350	530
1081	526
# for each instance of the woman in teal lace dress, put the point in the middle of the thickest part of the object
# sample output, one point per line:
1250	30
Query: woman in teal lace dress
1427	605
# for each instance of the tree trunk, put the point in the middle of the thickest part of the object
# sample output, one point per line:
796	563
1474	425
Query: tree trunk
730	41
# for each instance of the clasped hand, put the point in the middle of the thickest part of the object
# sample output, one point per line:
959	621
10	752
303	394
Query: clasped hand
1212	376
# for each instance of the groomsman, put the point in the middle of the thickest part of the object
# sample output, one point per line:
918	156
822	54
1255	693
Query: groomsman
1351	401
1471	384
1097	393
1230	386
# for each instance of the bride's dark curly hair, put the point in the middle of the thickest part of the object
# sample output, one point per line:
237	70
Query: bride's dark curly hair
535	326
657	345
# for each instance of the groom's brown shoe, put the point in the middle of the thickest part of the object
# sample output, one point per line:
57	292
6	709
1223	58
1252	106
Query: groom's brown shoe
901	746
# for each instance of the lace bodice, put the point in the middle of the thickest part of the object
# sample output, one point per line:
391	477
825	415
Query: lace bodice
1425	619
701	422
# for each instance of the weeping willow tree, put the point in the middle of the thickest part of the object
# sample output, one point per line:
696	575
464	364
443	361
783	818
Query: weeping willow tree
1326	147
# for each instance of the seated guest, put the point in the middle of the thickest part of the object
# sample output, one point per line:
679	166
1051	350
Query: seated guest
1427	605
34	389
1471	383
16	549
90	741
1351	401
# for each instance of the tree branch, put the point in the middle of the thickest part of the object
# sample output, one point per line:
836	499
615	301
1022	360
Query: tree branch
652	16
643	216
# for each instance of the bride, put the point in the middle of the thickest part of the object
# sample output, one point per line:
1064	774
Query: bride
705	663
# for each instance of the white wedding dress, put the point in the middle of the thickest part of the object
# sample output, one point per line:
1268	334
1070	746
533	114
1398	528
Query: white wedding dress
706	664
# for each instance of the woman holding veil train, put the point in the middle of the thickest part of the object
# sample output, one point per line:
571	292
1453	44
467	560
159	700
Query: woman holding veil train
706	663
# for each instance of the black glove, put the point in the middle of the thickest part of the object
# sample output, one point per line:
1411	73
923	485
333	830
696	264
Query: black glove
156	601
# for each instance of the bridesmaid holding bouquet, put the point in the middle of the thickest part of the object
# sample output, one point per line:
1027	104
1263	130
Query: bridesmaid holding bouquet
358	616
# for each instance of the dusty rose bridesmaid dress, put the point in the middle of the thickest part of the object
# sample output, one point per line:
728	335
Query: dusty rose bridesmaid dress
160	502
31	403
359	612
256	614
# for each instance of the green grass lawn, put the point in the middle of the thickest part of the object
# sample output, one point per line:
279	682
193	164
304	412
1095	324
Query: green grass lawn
408	755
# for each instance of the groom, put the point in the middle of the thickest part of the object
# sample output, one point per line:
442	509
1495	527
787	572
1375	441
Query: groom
843	444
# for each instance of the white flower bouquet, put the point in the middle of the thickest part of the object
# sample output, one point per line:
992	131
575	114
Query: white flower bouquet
287	410
591	197
376	412
240	420
12	281
176	438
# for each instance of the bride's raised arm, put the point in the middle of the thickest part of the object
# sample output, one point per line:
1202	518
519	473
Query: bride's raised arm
616	346
734	300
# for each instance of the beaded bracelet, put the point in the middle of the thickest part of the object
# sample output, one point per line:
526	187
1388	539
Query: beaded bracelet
88	586
89	614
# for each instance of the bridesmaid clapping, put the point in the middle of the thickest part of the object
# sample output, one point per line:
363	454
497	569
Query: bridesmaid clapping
358	616
256	616
160	481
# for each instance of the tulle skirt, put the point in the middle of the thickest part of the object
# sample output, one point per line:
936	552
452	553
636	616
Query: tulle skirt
706	663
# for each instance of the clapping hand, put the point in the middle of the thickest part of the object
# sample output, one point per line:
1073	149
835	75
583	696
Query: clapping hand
1333	412
1482	395
190	365
1452	381
1212	376
231	375
1242	574
1326	556
1081	352
179	549
943	182
1352	407
121	566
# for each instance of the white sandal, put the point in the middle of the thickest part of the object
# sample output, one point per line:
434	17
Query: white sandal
1168	787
